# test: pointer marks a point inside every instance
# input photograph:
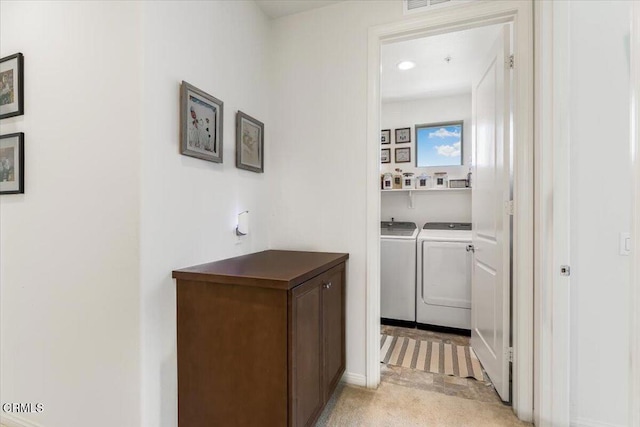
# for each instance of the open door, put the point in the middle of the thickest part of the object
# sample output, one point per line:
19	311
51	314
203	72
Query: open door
490	282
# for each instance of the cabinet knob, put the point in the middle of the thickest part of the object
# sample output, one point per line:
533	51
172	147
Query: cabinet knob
327	285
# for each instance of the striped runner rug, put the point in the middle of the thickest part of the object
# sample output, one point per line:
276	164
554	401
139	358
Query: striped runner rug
430	356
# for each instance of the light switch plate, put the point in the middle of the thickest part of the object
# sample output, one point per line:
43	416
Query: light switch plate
625	244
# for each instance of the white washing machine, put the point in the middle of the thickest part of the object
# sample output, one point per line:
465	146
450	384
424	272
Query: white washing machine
398	271
443	275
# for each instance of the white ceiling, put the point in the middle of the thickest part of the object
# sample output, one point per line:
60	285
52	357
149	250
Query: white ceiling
433	76
278	8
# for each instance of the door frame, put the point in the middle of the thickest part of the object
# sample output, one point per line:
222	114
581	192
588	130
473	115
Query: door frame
454	18
552	290
634	289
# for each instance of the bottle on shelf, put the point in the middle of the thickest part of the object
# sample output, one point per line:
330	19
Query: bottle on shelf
408	181
423	181
397	179
441	180
387	181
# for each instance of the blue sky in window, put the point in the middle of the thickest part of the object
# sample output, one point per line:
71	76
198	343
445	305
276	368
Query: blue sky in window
439	146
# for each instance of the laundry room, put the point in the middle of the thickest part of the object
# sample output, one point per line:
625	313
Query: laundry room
436	92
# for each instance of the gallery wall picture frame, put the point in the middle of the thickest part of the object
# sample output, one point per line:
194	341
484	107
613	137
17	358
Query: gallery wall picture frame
12	86
201	124
385	136
249	143
385	156
403	155
12	163
403	135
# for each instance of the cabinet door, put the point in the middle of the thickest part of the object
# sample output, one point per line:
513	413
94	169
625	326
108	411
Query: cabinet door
306	397
333	308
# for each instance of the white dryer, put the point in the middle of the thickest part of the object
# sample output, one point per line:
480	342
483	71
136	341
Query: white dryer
443	276
398	271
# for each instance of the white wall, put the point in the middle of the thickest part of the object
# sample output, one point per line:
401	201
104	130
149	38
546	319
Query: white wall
600	206
634	300
320	128
189	206
69	246
111	207
428	206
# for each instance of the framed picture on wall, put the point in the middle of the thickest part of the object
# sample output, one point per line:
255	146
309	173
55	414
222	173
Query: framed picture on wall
201	118
249	143
385	136
385	156
11	86
403	135
403	155
12	163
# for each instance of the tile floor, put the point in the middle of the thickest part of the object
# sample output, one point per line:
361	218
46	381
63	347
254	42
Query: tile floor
467	388
409	397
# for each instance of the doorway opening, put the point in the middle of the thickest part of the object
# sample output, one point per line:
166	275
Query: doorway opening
445	126
452	117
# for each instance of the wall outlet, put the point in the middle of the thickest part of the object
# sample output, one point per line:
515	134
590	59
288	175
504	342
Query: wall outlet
625	244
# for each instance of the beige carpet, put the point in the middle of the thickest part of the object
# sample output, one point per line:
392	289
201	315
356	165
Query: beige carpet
430	356
397	406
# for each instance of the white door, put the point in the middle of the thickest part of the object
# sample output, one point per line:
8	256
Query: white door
490	282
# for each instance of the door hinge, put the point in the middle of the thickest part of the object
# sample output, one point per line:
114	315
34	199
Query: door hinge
510	354
509	207
511	62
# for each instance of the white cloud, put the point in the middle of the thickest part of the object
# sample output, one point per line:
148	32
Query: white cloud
443	133
452	150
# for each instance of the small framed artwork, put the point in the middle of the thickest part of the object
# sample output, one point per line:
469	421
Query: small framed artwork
12	163
249	143
403	135
403	155
385	136
201	118
385	155
11	86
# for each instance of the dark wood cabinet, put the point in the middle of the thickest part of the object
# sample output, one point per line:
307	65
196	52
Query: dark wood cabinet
334	332
307	398
261	338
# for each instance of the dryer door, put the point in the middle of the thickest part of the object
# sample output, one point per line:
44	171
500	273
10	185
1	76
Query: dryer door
446	274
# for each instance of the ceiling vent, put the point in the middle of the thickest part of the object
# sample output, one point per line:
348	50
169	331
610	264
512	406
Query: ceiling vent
415	6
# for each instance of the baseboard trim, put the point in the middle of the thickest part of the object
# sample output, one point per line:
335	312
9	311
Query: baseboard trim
444	329
395	322
353	379
10	420
582	422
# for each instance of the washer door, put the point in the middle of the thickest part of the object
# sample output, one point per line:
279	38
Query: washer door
446	274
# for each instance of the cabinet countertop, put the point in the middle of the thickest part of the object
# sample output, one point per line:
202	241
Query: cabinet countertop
268	269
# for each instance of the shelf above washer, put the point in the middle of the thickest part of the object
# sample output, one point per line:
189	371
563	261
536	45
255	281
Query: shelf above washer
426	190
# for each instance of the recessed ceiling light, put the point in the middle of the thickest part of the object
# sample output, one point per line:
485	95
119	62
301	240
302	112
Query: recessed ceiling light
406	65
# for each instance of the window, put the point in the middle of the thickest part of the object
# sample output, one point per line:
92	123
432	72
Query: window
439	144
